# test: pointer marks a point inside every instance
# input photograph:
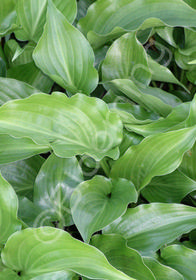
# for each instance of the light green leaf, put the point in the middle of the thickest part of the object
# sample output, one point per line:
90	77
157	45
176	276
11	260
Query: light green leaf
68	8
31	15
21	174
70	126
175	120
98	202
69	62
162	74
169	188
131	90
155	156
9	274
161	272
148	227
30	74
13	89
120	256
166	33
13	149
131	15
192	62
54	185
129	139
182	259
126	59
60	275
189	162
60	252
7	16
8	211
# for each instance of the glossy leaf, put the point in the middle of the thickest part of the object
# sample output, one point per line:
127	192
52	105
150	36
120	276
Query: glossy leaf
8	211
189	162
161	272
155	156
7	16
70	126
120	256
182	259
13	149
149	226
54	185
60	275
132	91
169	188
98	202
177	119
131	15
13	89
21	174
162	74
30	74
69	66
126	59
60	251
31	15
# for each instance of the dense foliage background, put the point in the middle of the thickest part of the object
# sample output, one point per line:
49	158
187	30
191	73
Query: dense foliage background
97	139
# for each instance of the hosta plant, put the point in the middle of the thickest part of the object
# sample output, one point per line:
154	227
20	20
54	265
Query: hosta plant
97	139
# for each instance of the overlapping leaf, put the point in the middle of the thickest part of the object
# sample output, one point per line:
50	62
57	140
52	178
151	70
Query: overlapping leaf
54	185
70	126
180	258
98	202
65	55
114	17
60	252
149	226
155	156
8	211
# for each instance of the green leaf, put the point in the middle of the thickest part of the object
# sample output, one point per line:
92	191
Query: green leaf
21	174
131	90
31	15
7	16
60	275
8	211
9	274
13	149
180	258
177	119
60	252
69	66
126	59
169	188
13	89
98	202
54	185
189	162
155	156
161	272
70	126
131	15
149	226
162	74
30	74
120	256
